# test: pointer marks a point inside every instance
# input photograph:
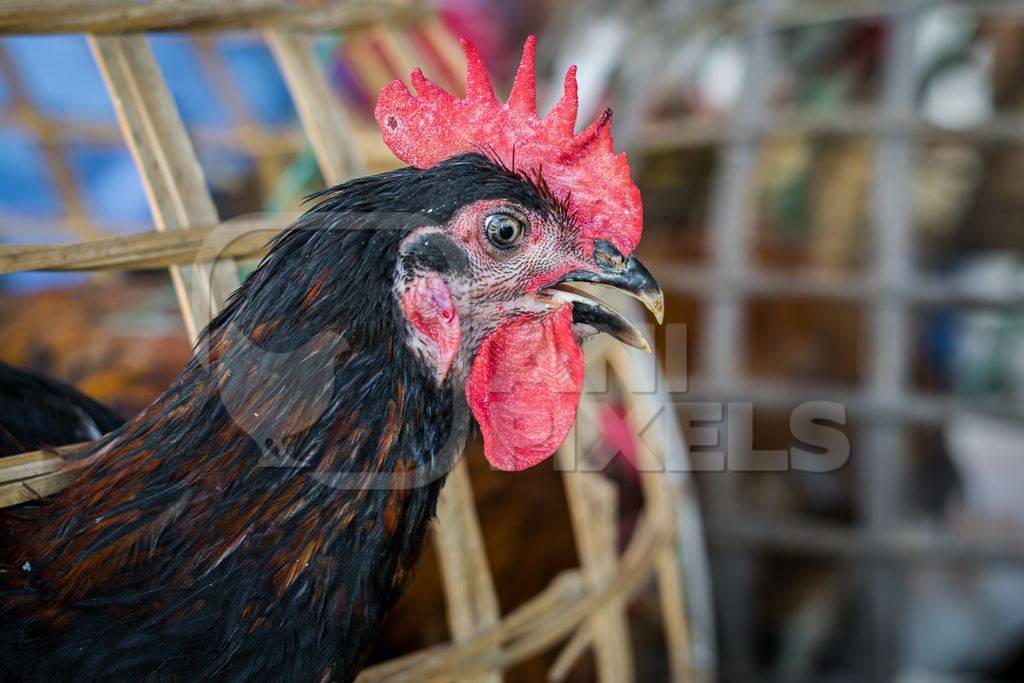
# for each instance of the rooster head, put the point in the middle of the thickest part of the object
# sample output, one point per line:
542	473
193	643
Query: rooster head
487	290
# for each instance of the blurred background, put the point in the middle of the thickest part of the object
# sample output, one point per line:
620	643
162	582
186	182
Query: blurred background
833	194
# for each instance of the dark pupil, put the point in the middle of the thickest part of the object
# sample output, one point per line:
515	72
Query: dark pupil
504	230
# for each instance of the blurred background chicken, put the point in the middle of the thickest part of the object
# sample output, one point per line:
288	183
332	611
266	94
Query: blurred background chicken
40	412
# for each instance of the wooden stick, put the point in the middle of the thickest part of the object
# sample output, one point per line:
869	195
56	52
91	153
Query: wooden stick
399	49
278	141
471	599
171	174
240	112
548	617
448	51
12	472
56	161
33	475
322	118
567	657
35	488
852	122
360	50
235	239
660	503
103	16
593	506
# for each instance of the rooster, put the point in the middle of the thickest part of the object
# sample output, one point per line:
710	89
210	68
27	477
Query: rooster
264	536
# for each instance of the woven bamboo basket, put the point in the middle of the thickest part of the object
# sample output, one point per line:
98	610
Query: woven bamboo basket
581	609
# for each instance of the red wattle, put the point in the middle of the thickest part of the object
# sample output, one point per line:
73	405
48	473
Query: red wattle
524	388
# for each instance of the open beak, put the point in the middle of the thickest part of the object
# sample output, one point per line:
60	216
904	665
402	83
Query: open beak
626	275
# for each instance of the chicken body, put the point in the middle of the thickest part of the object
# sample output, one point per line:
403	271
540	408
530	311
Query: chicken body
39	412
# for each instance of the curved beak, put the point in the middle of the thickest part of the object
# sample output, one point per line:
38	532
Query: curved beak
626	275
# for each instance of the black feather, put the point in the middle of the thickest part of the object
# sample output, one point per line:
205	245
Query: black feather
37	412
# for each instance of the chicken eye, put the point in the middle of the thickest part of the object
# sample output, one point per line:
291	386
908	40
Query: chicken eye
504	230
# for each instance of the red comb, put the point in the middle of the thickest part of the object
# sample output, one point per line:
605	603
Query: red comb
431	126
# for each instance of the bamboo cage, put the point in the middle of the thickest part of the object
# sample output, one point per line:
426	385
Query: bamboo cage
581	610
881	545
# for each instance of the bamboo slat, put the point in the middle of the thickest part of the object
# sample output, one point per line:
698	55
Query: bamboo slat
448	52
120	16
174	181
660	501
285	141
471	598
61	131
853	122
570	654
323	120
593	507
28	465
236	239
41	486
240	238
63	176
124	16
360	49
240	112
397	44
547	618
30	476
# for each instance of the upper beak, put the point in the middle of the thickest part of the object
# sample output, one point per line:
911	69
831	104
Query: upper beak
627	275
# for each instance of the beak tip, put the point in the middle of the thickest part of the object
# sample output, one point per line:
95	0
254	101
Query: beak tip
637	340
655	302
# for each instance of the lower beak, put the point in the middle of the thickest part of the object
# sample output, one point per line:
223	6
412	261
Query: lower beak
626	275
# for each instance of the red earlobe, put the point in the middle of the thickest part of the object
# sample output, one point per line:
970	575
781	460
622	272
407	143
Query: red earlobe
430	309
